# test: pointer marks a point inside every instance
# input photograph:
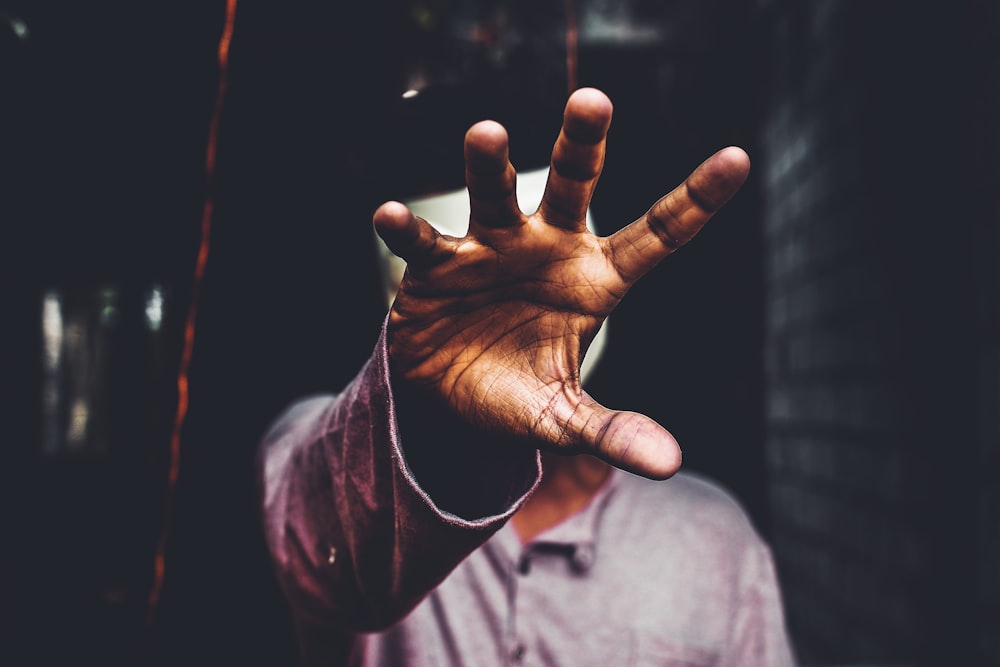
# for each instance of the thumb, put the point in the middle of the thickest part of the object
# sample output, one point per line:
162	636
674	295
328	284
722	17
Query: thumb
628	440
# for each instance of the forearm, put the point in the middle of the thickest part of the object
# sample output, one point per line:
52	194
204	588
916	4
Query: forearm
356	538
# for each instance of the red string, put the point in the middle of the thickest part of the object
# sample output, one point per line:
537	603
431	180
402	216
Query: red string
159	564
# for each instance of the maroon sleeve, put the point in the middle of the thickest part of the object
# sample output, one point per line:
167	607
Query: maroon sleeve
356	539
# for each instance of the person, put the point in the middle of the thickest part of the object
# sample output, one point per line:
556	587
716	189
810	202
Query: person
464	501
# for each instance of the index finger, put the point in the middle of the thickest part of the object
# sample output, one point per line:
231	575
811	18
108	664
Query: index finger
677	217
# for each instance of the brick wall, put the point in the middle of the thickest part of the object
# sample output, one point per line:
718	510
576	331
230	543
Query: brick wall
987	285
881	340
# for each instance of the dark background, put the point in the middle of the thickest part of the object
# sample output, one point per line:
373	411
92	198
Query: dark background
828	349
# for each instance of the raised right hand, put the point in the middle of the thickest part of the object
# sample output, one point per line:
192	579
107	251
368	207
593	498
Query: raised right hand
496	324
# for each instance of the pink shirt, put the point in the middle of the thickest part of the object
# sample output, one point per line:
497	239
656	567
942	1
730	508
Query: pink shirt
378	572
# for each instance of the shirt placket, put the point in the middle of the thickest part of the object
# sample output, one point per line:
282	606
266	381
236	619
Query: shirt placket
568	548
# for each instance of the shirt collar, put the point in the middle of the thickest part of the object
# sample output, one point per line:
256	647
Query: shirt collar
576	535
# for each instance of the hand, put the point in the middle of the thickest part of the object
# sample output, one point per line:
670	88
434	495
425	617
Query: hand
496	324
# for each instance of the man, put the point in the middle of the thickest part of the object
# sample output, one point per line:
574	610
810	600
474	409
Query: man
412	519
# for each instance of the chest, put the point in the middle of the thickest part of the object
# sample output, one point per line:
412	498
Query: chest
560	604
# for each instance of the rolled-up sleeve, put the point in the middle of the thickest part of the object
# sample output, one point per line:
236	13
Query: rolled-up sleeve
357	540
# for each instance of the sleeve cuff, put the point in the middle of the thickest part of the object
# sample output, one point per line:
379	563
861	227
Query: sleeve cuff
466	477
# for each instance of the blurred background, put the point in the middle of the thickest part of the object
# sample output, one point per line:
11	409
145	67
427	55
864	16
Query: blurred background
828	349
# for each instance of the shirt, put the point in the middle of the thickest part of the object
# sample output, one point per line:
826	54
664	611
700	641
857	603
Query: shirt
648	573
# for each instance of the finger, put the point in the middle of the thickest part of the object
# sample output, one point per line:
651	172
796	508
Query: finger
577	159
676	218
407	236
626	440
490	176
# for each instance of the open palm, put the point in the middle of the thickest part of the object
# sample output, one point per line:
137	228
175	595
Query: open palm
496	324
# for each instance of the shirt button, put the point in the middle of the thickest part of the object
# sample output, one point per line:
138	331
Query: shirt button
518	653
583	557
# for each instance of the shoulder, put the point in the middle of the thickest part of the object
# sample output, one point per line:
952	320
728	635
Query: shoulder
306	410
689	504
300	424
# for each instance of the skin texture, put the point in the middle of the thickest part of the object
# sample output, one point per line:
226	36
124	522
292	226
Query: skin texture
495	324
